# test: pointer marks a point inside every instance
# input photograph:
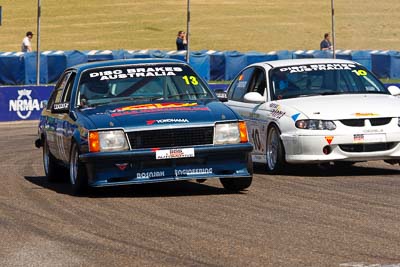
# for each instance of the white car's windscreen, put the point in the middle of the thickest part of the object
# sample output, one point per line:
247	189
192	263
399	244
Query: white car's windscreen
323	79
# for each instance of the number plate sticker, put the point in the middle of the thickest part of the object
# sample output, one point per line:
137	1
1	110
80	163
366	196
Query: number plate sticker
369	138
175	153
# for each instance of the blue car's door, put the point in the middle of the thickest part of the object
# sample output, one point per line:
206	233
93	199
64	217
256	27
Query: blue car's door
50	123
65	124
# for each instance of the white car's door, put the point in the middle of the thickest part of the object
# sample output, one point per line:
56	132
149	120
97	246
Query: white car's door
247	96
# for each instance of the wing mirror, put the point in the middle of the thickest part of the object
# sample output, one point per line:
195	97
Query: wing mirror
394	90
254	97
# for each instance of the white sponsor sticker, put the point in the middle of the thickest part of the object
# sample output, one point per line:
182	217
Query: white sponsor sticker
369	138
59	106
175	153
148	175
136	72
317	67
188	172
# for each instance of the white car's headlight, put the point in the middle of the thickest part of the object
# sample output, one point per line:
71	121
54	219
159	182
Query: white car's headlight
107	141
315	125
398	122
230	133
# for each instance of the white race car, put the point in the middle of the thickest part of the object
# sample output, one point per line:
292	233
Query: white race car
317	111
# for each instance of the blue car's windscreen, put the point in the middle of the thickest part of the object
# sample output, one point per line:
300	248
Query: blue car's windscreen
323	79
140	84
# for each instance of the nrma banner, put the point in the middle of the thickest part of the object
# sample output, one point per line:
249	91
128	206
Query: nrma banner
22	102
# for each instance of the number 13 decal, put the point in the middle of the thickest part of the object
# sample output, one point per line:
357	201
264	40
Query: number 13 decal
190	80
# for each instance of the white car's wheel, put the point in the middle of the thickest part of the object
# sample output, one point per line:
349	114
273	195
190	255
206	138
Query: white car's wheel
275	151
77	173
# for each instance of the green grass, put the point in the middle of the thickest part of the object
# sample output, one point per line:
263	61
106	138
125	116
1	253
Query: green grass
256	25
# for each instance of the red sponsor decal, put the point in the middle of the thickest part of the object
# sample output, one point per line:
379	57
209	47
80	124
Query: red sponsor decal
369	114
329	139
155	106
177	153
122	166
358	138
150	122
156	110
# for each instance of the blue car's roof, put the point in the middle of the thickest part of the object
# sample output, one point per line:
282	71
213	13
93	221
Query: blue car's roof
108	63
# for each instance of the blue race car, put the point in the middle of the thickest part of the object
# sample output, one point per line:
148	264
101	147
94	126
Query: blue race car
141	121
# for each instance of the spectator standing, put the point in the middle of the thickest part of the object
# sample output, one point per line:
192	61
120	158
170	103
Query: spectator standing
181	42
26	43
326	43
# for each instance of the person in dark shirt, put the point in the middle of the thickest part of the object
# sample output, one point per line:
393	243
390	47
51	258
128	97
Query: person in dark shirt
181	42
326	43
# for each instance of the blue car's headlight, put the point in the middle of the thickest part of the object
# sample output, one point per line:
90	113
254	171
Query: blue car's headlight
107	141
315	125
230	133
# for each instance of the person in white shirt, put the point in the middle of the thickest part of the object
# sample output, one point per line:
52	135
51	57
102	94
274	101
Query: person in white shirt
26	43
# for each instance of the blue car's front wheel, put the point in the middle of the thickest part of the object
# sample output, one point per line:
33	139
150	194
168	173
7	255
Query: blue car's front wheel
77	172
239	184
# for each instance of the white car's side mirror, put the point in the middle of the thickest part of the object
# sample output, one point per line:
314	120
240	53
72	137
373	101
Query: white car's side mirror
254	97
394	90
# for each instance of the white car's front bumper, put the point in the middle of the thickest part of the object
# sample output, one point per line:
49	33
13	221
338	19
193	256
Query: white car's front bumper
350	146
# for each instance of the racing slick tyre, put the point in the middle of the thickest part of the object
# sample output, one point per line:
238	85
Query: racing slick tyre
77	172
53	171
239	184
236	184
275	151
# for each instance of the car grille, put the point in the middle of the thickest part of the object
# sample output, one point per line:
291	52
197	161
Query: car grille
380	121
353	122
171	137
358	148
361	122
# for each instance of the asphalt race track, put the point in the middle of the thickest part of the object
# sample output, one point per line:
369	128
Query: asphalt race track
308	217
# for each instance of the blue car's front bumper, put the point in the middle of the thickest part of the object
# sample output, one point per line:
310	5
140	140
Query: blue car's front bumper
141	166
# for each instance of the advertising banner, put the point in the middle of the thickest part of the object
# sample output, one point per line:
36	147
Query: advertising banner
22	102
